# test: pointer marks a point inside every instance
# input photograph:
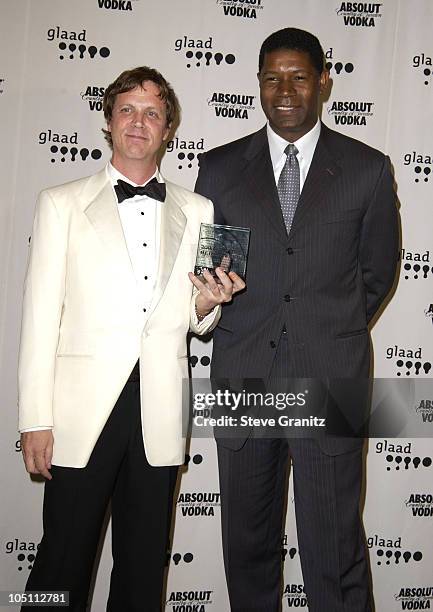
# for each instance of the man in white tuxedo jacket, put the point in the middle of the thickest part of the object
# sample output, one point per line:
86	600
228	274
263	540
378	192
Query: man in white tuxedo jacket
107	307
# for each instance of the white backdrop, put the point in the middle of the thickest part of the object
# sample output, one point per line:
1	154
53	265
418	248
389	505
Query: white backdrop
56	58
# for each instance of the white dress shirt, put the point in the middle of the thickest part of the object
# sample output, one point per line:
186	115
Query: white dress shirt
306	146
140	217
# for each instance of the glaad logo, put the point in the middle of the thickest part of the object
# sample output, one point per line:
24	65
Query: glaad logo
352	112
187	151
418	366
196	459
189	601
115	5
398	450
194	360
295	596
423	165
389	551
177	557
423	62
241	8
94	95
25	553
415	598
63	151
199	52
359	14
198	503
417	263
421	504
231	105
285	550
337	66
72	50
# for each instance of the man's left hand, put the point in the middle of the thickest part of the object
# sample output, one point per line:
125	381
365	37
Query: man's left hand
211	293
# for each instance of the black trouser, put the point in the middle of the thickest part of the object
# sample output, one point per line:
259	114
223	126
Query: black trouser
330	534
75	503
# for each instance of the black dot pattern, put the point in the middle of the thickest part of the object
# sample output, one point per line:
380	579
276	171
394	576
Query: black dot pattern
289	185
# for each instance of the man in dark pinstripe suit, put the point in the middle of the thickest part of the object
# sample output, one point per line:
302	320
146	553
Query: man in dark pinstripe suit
313	287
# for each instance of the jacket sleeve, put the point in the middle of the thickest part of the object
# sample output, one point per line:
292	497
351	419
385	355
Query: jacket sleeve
379	241
44	291
210	321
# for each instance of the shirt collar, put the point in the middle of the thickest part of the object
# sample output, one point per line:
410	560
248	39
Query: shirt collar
306	145
114	175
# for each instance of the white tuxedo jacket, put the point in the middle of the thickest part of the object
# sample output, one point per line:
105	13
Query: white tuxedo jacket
83	328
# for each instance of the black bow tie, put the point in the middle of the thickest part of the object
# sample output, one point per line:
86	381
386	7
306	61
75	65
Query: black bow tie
153	189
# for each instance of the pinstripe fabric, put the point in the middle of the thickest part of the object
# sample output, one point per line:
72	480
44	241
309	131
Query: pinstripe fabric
330	534
323	282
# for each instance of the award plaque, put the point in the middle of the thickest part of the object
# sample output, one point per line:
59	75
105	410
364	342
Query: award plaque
222	246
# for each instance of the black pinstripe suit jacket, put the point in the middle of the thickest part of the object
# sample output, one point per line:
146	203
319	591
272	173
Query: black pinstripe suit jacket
326	280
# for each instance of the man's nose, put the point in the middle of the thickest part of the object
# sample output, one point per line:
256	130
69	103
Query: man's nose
139	119
286	88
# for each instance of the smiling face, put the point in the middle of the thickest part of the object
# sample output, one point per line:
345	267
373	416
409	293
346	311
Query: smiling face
290	87
138	127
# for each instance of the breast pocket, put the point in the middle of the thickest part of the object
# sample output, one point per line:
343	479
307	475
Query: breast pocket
343	216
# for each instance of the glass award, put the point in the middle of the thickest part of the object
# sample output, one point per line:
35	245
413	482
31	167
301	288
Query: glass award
222	246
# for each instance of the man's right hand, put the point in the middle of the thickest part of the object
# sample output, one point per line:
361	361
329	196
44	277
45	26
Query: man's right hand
37	447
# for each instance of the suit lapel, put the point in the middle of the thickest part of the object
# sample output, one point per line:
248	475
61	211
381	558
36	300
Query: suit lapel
259	179
102	213
173	222
323	170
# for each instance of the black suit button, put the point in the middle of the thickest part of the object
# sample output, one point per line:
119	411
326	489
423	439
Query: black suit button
287	298
289	251
273	344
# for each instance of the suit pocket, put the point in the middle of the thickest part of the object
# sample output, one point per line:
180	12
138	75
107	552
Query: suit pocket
343	216
76	345
224	328
352	334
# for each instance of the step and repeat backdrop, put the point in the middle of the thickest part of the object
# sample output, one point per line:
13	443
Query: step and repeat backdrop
57	57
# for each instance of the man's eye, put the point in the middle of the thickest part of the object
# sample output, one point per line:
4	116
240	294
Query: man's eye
126	109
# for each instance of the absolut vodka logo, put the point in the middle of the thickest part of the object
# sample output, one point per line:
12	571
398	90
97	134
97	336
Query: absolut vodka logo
359	14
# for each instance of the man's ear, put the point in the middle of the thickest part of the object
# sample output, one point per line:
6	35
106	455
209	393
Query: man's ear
324	80
167	132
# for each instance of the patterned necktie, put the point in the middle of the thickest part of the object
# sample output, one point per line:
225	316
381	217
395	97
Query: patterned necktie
152	189
289	186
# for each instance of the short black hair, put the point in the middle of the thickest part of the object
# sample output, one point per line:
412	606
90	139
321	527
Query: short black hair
297	40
